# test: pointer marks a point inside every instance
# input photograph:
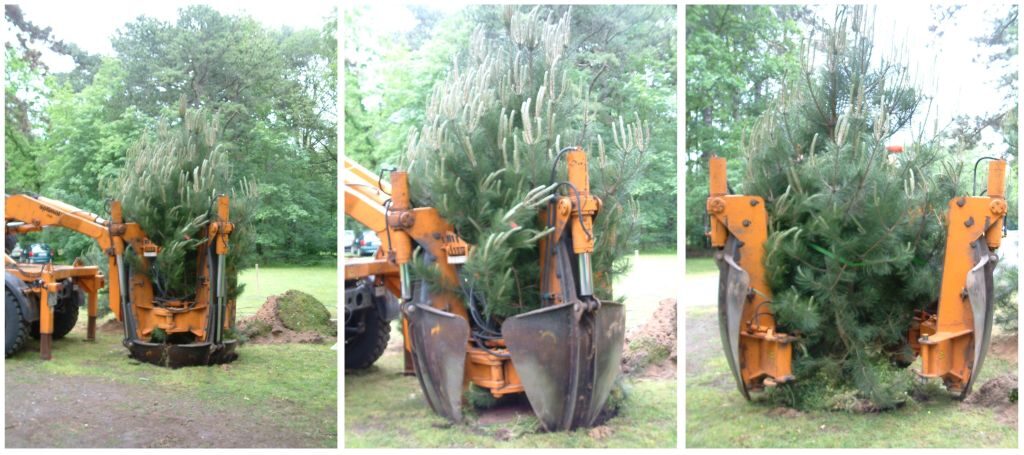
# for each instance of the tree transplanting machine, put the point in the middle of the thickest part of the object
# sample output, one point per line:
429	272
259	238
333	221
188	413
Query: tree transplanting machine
952	340
565	356
166	330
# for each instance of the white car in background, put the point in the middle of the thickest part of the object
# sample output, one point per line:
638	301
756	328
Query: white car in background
350	239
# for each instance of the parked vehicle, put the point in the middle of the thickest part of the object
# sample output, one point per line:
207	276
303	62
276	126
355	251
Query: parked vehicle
38	253
350	239
366	243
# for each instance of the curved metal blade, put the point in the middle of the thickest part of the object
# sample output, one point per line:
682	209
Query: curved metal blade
183	355
439	352
609	339
733	288
980	292
568	359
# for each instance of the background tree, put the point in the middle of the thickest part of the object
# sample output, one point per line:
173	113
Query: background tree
737	57
623	56
274	92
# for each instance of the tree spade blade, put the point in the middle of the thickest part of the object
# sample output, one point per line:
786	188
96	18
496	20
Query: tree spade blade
733	287
568	359
980	291
439	352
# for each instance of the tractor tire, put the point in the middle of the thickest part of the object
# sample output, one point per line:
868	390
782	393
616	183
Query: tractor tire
15	327
65	316
365	348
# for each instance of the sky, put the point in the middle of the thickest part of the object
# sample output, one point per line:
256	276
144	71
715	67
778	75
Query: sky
945	67
90	25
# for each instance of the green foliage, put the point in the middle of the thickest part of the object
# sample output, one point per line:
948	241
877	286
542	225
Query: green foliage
169	185
22	83
478	397
624	63
737	59
855	233
274	92
1006	298
487	158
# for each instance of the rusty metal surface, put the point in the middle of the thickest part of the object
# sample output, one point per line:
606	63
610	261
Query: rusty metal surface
182	355
980	292
439	353
733	287
568	359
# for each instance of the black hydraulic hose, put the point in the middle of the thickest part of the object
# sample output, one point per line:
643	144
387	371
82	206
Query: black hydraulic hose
481	345
554	163
387	226
380	177
974	183
579	204
473	312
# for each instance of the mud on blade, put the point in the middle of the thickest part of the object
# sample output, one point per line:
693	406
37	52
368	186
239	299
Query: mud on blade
568	359
439	353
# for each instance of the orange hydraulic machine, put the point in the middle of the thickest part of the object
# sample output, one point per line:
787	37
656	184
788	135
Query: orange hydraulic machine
758	355
952	341
160	329
564	356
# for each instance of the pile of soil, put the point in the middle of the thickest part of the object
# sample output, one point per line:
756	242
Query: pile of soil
650	350
292	317
995	394
111	326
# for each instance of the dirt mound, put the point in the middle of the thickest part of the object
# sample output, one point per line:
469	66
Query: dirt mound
110	326
784	412
996	394
292	317
651	349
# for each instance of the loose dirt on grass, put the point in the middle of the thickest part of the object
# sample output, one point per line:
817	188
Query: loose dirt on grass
92	395
650	350
292	317
995	394
94	412
111	326
717	414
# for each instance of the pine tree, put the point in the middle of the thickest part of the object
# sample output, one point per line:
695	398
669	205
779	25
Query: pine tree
486	158
856	233
169	186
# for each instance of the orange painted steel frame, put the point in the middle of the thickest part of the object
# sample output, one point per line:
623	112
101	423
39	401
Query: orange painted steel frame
400	225
114	237
947	339
765	355
397	227
50	278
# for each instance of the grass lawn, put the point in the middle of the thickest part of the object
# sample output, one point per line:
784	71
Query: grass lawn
293	384
386	409
701	266
319	281
718	416
651	279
